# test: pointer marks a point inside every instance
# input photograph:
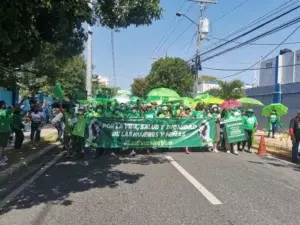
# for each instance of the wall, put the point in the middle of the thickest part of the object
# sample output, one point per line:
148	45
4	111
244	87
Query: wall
290	97
285	72
267	72
7	96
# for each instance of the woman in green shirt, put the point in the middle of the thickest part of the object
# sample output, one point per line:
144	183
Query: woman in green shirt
149	113
199	112
273	120
250	125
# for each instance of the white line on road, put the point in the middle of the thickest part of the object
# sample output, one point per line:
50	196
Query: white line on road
209	196
17	191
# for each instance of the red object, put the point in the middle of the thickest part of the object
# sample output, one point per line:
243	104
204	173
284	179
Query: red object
291	131
187	151
262	151
229	104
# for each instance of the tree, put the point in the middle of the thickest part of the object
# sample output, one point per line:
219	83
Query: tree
70	73
207	78
139	87
229	90
27	25
173	73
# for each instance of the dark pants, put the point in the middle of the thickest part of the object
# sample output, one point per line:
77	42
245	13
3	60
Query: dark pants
295	151
19	138
273	130
35	135
59	129
249	139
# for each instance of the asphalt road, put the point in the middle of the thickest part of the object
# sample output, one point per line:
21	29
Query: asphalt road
149	190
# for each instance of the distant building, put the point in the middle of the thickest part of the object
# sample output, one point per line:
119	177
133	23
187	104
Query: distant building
100	80
282	69
206	86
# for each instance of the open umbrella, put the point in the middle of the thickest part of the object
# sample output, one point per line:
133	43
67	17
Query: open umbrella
202	96
184	100
280	109
250	101
229	104
163	92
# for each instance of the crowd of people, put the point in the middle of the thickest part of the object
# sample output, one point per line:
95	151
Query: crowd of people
64	119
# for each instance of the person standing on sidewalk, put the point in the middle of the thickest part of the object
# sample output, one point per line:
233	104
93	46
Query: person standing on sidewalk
273	121
295	136
17	126
250	125
37	117
5	121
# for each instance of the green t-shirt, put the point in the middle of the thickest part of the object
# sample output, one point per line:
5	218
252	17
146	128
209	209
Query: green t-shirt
132	115
107	113
150	114
250	122
5	120
215	116
273	118
17	122
199	114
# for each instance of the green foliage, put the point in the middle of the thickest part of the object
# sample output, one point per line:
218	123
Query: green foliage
139	87
173	73
27	25
229	90
207	78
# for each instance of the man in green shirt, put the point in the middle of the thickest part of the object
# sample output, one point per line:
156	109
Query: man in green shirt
134	114
250	125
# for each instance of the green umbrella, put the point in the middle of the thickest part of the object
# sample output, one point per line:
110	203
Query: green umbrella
163	92
250	101
184	100
202	96
280	109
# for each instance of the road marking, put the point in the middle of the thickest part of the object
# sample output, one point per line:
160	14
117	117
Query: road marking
208	195
27	183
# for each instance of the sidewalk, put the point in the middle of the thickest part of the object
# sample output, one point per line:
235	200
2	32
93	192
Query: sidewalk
280	146
48	135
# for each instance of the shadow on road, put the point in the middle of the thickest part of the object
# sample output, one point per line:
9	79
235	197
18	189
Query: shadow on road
275	162
68	177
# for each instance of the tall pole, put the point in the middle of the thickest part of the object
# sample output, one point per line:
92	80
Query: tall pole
89	62
113	57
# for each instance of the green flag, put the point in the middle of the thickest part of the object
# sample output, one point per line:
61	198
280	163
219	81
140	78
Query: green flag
58	91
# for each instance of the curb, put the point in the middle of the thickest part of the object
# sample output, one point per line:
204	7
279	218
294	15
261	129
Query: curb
6	174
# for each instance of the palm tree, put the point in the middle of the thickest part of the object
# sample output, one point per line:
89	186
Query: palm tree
229	90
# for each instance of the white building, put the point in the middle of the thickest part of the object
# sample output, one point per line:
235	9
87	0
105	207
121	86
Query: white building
100	80
206	86
280	69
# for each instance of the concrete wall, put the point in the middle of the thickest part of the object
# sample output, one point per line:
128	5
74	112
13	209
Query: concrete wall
267	72
6	96
290	97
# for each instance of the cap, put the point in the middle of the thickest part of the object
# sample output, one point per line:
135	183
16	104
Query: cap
250	110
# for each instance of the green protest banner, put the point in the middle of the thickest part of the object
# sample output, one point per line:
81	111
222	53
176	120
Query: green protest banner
147	133
235	130
58	91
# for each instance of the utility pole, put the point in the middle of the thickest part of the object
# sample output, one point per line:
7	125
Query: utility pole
88	82
201	36
113	57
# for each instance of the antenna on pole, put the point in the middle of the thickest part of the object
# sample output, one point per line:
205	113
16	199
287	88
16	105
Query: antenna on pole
113	57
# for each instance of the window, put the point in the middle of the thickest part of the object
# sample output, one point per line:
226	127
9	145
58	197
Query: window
298	57
269	65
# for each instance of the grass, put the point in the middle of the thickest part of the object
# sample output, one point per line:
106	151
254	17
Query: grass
280	147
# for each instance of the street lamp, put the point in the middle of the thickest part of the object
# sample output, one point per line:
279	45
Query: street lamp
179	14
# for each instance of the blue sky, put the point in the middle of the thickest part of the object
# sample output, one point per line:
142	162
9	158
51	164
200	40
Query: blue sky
135	48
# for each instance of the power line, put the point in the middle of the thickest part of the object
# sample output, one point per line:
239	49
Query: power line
230	11
285	25
178	37
273	12
294	31
252	30
168	37
191	43
170	26
259	44
251	69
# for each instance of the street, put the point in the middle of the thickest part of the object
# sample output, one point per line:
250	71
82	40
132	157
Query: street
149	189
